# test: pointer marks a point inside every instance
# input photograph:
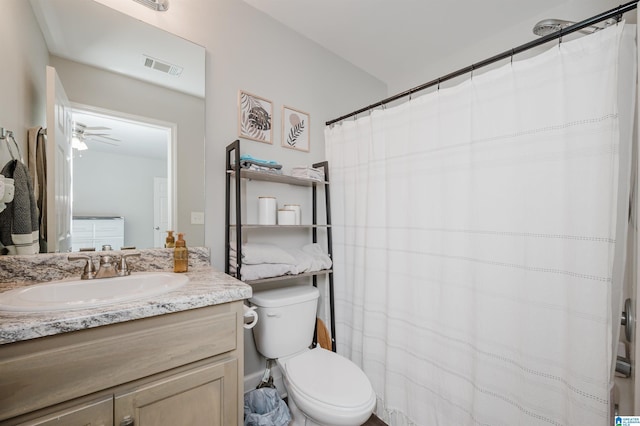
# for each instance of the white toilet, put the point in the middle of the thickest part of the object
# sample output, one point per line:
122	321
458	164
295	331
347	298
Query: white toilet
323	387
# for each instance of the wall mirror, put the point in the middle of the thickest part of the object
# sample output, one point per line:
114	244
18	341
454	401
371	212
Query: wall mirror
123	76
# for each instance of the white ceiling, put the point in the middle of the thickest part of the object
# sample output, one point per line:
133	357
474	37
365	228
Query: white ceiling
133	138
93	34
390	38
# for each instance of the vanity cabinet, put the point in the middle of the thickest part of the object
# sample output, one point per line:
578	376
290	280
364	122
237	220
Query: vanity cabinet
93	413
175	369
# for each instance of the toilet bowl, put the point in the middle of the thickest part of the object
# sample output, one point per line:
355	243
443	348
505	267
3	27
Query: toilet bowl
323	387
327	388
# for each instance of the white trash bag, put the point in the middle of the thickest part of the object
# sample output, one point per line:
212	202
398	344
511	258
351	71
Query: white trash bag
264	407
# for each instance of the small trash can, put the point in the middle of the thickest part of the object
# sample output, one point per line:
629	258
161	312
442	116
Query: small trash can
264	407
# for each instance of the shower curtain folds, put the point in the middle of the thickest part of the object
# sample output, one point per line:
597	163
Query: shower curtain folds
478	236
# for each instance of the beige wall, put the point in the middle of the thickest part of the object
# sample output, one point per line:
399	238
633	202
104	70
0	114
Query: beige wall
248	50
506	36
23	58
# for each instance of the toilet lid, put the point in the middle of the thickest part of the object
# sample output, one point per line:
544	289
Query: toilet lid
327	377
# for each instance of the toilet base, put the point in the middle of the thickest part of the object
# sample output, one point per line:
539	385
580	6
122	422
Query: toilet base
298	418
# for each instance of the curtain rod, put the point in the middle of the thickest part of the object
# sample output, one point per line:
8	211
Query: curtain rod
613	13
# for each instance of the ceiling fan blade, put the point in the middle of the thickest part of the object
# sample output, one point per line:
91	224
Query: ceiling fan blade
97	128
107	137
84	127
99	141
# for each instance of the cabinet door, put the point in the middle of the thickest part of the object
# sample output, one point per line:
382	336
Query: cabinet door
202	396
96	413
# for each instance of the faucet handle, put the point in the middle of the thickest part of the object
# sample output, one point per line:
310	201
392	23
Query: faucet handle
89	268
106	259
124	266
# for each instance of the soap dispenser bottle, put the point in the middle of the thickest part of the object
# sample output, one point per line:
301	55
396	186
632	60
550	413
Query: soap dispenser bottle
170	241
180	255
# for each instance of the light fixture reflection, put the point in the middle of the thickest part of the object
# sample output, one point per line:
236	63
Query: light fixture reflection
76	143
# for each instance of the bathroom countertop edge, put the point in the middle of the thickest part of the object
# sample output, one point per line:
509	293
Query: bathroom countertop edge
206	287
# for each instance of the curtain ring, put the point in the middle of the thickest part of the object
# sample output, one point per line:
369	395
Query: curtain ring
512	53
410	94
438	85
472	71
619	15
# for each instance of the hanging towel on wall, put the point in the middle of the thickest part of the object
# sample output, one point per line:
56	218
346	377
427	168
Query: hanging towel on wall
37	164
19	221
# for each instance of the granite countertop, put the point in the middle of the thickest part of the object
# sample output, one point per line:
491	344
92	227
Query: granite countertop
206	287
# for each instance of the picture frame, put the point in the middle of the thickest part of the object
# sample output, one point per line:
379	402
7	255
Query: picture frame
296	129
255	117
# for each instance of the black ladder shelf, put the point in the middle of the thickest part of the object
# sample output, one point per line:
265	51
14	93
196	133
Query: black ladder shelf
235	172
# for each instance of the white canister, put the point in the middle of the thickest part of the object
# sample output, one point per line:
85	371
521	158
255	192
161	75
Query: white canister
267	210
297	210
286	217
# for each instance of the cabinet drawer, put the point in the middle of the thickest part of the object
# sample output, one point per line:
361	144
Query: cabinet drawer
82	228
109	228
202	396
43	372
93	413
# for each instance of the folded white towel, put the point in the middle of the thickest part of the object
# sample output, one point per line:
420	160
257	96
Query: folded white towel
260	260
257	253
321	259
304	262
266	270
307	172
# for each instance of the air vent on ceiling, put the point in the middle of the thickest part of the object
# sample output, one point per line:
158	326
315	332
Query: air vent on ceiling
161	66
158	5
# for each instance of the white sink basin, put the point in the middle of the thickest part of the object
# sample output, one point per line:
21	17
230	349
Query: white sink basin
82	294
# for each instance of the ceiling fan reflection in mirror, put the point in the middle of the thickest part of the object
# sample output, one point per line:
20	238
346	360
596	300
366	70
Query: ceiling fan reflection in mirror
83	133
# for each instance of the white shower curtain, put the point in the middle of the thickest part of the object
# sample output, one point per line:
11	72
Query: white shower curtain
476	231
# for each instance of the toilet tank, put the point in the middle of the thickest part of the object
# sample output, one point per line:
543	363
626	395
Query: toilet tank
286	319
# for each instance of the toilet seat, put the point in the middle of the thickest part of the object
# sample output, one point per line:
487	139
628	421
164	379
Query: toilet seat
328	387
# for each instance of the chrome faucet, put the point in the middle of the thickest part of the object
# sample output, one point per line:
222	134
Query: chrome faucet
110	266
89	271
123	267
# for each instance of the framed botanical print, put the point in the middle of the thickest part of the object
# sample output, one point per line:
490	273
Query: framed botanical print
296	129
255	117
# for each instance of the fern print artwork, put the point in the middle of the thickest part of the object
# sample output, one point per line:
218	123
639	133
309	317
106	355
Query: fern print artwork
255	117
295	129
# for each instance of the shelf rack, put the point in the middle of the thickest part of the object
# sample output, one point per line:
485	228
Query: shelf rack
233	171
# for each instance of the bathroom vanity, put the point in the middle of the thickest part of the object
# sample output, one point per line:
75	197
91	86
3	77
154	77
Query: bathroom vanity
174	359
